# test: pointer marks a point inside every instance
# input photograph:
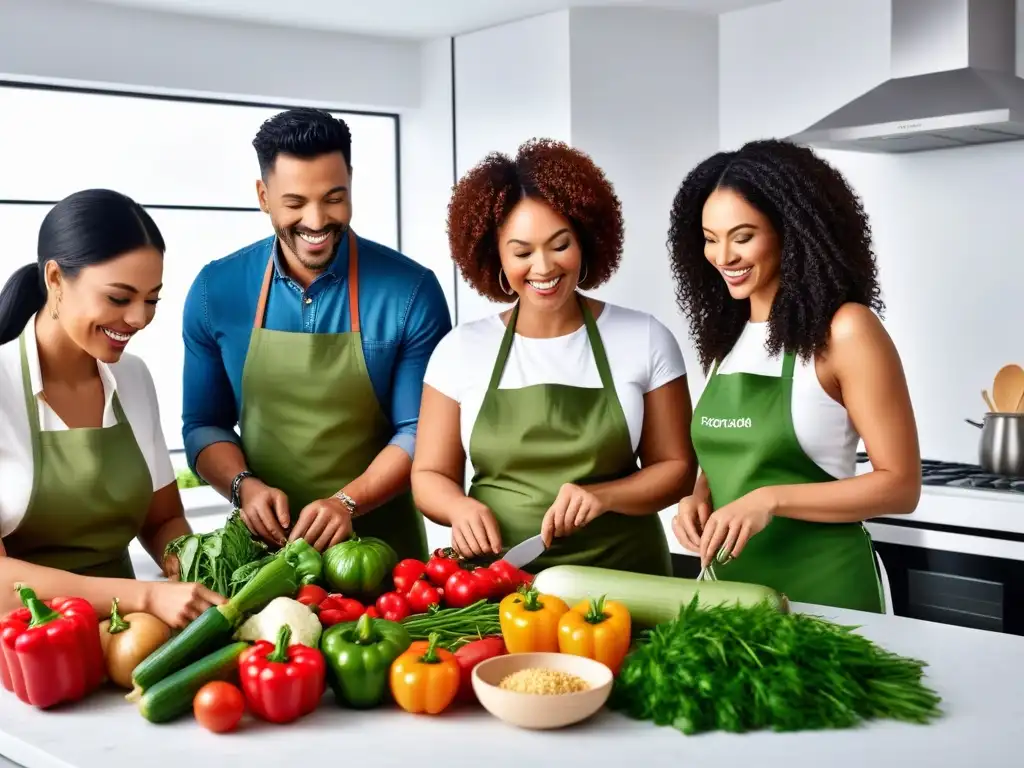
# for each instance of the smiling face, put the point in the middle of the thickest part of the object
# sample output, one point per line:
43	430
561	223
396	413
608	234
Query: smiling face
310	207
104	305
540	255
741	243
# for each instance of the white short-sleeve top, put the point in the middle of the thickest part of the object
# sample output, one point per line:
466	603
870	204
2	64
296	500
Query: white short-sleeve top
642	354
129	378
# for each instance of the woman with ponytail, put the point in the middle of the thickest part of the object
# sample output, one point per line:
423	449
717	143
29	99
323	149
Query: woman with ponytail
83	461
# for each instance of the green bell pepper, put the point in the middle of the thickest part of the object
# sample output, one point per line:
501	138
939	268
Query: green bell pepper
359	655
309	565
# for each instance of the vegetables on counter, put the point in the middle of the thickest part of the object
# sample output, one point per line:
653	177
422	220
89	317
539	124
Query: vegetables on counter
455	626
213	558
651	600
282	681
599	629
50	651
303	624
127	640
218	706
425	678
471	654
214	627
742	668
359	566
529	621
359	657
172	696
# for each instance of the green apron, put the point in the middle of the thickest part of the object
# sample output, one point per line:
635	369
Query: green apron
310	419
744	439
91	492
526	443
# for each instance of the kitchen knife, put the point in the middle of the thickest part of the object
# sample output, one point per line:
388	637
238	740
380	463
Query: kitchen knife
525	552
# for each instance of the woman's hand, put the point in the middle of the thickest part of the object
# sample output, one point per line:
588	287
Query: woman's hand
733	525
176	603
475	532
574	507
689	522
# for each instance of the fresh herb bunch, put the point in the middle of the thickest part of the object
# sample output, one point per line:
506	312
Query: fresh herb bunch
455	626
212	559
745	668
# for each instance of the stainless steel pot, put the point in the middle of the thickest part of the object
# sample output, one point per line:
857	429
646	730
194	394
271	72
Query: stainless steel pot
1001	450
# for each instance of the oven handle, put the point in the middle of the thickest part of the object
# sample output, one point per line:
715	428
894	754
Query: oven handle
947	542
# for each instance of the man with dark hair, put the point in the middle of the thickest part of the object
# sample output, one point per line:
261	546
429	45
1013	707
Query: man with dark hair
313	342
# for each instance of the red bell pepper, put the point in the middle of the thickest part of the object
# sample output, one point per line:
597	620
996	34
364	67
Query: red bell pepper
422	596
311	595
50	652
461	589
335	609
393	607
407	572
282	682
471	654
442	564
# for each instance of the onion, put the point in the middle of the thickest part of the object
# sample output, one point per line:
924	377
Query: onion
128	640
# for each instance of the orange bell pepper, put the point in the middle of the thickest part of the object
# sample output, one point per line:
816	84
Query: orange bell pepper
598	629
425	678
529	621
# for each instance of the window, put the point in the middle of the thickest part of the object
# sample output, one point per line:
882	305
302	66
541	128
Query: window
190	163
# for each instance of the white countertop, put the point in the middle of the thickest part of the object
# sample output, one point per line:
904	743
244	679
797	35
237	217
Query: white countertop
979	675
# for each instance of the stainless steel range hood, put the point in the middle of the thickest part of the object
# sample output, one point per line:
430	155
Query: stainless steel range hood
954	83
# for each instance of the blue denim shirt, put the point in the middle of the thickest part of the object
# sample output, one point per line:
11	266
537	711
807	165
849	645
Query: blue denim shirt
403	315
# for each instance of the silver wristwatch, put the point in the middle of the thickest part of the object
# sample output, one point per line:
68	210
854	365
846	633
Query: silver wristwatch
348	501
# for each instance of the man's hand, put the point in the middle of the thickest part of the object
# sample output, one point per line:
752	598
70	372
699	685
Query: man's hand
323	523
264	510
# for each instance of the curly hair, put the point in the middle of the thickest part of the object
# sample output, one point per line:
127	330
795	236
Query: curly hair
549	171
825	242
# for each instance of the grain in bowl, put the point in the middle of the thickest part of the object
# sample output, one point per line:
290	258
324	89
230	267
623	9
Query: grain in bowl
543	681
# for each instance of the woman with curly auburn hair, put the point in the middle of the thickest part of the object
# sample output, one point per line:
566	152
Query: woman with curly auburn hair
554	400
771	252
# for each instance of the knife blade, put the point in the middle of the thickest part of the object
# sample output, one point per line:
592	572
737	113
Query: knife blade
525	552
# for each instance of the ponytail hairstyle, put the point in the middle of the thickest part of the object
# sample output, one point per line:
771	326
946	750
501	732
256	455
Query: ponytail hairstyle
86	228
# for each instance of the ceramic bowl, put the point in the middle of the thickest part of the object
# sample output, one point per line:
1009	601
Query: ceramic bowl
541	711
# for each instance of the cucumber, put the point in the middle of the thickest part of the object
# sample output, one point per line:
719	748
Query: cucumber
210	631
650	599
172	697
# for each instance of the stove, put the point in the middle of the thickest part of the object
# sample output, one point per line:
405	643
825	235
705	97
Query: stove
950	474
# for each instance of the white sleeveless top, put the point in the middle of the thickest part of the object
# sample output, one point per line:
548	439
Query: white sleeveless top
823	427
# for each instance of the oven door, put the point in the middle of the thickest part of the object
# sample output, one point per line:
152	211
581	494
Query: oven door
973	579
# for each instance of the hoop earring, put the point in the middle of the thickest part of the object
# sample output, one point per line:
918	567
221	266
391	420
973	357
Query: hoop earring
583	275
507	291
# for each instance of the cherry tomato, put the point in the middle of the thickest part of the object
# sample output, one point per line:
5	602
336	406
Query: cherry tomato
406	572
461	589
218	706
506	577
442	564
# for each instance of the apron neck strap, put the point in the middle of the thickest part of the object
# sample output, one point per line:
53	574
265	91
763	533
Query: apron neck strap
788	365
596	346
26	382
353	286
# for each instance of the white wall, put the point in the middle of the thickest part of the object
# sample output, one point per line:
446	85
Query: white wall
635	88
945	222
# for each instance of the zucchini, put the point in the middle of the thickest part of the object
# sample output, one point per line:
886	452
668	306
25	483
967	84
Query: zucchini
278	578
650	599
173	696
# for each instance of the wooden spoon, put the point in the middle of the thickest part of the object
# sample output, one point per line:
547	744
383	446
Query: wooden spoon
988	401
1008	388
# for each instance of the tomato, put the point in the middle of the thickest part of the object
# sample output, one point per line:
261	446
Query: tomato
461	589
442	564
392	606
406	572
218	706
422	596
311	595
506	577
471	654
486	580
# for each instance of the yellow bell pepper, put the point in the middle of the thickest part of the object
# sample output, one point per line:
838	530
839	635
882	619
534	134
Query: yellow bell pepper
529	621
598	629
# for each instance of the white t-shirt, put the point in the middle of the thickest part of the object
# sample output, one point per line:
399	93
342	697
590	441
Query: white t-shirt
823	426
129	377
642	354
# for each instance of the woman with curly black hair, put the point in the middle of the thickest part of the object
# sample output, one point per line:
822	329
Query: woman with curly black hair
771	252
554	400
